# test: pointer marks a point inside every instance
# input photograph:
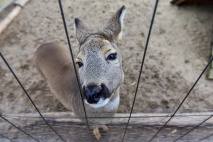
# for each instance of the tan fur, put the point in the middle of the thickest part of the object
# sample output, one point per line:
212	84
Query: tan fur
55	64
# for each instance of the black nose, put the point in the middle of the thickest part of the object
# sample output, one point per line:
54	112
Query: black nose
93	93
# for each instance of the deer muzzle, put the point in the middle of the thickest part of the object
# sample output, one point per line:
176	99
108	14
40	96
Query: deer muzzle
95	94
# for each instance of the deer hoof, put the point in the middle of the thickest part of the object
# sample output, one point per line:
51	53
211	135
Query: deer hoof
104	128
96	133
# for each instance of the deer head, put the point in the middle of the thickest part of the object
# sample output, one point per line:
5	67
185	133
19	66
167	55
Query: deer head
99	60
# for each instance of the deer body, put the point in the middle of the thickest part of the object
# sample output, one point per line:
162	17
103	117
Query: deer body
55	64
99	67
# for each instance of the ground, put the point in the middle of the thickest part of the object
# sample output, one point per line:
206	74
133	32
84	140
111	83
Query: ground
177	53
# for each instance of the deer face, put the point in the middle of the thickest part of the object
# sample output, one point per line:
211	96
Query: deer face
99	61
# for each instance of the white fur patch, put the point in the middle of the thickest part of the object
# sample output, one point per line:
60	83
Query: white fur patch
102	102
75	32
121	19
113	104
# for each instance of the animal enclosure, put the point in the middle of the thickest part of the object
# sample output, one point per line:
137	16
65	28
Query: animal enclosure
158	113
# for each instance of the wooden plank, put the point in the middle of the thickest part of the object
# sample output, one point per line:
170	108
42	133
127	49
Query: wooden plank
150	119
142	126
78	132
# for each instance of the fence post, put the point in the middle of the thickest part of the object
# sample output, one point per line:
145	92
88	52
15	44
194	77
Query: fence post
210	71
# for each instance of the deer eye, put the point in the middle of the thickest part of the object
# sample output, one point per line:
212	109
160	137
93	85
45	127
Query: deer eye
80	64
112	56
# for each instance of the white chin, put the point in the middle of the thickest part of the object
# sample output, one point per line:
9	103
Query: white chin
102	102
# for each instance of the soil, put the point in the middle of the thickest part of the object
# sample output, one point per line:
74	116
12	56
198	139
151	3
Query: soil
178	51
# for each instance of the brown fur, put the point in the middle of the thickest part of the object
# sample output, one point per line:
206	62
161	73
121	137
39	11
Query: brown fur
54	63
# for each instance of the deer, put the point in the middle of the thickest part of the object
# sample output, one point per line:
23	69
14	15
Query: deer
99	67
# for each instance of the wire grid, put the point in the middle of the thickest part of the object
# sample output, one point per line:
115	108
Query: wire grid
67	131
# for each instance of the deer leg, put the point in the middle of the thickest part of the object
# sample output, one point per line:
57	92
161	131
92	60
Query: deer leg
96	133
104	128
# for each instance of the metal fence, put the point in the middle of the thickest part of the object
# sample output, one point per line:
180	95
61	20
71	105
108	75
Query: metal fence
131	128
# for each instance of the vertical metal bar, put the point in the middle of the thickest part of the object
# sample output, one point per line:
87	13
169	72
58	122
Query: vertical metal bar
5	137
210	71
182	100
206	137
18	128
29	96
193	128
141	68
73	61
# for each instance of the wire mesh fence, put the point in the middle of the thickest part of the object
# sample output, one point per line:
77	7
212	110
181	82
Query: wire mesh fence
125	127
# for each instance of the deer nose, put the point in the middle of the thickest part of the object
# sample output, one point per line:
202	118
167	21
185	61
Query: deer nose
92	92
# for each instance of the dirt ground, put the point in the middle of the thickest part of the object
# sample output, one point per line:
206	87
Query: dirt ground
177	53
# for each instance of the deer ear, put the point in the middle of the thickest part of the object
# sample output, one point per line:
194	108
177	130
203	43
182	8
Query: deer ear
114	27
81	31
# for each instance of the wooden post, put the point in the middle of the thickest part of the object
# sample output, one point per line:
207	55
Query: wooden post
19	5
151	119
